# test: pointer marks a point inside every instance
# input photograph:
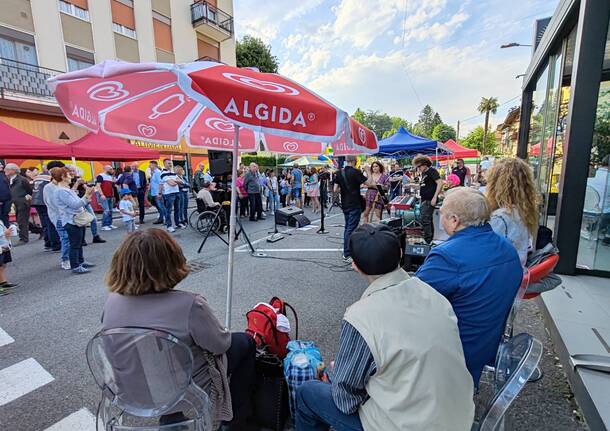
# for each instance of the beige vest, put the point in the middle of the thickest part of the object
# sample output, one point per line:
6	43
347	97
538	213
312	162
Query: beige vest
421	381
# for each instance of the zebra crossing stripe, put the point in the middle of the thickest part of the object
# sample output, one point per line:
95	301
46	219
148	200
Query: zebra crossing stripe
81	420
22	378
5	338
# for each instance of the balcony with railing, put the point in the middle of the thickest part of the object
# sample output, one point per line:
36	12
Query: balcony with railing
23	81
211	21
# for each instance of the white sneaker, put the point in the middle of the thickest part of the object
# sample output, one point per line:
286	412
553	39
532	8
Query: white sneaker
106	228
65	264
171	229
113	226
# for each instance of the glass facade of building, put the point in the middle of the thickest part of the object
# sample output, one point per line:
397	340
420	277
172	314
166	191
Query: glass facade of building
553	101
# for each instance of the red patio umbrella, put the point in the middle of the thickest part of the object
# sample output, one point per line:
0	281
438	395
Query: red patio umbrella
94	146
163	102
19	145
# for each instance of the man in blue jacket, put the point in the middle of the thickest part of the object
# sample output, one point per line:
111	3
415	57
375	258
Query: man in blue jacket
478	272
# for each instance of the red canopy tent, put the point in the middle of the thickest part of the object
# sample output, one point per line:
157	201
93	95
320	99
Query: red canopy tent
456	151
15	144
98	146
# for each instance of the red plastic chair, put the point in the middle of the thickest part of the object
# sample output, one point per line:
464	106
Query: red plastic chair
539	271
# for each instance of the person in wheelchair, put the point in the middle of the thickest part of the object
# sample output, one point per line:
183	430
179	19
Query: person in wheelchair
207	204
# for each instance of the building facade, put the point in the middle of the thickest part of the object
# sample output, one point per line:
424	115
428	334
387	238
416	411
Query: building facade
42	38
565	132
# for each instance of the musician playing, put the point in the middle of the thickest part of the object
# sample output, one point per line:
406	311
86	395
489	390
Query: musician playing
374	199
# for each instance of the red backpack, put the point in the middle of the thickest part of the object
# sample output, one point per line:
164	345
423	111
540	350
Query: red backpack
262	326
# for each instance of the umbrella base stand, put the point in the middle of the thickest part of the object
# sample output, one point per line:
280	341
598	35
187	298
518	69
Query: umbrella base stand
275	237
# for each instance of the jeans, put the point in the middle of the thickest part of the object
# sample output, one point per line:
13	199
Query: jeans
141	206
160	205
426	212
76	235
243	206
256	206
107	205
352	220
130	225
170	202
5	208
274	201
184	205
65	240
316	410
241	369
50	240
89	208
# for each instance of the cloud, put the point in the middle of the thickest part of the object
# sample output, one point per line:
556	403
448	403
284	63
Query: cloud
361	23
451	80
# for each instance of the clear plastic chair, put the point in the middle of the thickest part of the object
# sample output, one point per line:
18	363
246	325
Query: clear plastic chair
517	361
144	374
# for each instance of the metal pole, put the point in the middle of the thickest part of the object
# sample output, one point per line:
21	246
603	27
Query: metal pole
232	222
457	134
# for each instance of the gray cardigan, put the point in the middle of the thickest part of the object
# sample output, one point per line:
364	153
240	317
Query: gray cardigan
189	318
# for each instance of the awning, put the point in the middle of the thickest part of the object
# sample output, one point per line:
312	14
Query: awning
456	151
403	143
19	145
98	146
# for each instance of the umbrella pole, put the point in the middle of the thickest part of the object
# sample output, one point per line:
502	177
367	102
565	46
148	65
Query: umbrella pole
232	222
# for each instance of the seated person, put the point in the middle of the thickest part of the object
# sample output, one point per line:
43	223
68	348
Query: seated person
400	364
205	195
143	273
477	271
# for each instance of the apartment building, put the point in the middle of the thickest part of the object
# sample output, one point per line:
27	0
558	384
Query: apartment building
41	38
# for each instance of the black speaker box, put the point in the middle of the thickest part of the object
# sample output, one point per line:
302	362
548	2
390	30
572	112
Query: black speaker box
284	215
299	221
220	162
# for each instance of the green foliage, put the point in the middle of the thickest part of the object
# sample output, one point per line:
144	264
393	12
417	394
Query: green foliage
475	140
252	52
262	161
487	105
378	122
397	123
601	135
443	132
426	121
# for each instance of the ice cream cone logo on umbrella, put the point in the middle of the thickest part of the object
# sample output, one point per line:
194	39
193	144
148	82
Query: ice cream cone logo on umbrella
219	124
291	147
362	135
272	87
107	91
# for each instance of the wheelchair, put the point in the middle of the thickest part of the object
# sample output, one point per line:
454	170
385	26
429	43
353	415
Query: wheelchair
204	219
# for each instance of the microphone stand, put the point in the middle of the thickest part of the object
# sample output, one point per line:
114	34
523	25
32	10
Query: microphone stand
323	188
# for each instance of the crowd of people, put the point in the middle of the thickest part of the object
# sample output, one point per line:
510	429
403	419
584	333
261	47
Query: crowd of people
445	321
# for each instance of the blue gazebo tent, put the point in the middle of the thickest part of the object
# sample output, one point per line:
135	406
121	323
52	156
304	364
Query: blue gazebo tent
403	143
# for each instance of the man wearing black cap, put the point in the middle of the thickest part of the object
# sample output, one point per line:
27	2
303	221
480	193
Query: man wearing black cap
400	363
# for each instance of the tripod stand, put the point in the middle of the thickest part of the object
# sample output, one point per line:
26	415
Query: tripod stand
323	193
217	220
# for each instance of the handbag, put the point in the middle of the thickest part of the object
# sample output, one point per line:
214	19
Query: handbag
83	218
271	407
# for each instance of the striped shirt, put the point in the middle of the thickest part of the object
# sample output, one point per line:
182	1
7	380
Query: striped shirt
354	365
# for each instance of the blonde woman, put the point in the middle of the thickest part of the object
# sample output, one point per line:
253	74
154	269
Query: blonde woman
513	199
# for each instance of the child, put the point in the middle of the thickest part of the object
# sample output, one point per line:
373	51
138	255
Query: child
5	257
127	210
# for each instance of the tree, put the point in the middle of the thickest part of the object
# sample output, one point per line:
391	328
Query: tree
475	140
252	52
425	123
378	122
486	106
443	132
397	123
436	121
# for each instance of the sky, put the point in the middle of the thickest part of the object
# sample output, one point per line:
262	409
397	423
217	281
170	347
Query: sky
395	56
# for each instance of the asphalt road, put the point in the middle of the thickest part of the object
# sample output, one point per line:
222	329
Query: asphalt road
53	314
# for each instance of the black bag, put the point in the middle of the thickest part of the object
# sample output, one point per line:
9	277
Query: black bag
271	408
544	237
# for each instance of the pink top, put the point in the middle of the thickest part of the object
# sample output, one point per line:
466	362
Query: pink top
240	185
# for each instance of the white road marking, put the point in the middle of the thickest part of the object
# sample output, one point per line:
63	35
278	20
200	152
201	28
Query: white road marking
241	248
5	338
22	378
82	420
267	250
